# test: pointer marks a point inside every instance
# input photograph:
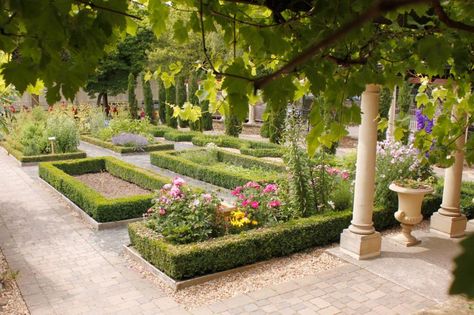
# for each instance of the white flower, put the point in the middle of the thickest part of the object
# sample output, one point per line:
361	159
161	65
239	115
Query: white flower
331	204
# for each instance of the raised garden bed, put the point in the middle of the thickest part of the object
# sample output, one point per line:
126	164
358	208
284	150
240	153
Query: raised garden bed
62	176
26	160
127	150
191	261
218	167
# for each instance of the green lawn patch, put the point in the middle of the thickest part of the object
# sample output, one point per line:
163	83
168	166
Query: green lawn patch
218	167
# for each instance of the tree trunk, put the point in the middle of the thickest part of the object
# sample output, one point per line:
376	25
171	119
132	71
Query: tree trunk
99	98
105	100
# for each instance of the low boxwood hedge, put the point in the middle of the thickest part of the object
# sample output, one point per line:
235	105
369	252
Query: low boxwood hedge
218	175
247	147
124	150
60	176
180	136
190	260
41	158
159	131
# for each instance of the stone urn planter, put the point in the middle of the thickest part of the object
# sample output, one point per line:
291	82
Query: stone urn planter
409	211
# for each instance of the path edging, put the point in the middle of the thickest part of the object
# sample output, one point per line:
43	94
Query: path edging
181	284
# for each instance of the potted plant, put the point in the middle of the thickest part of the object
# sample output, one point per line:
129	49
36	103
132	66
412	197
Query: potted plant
410	198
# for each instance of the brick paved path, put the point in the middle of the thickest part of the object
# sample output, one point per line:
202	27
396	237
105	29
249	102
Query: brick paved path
66	268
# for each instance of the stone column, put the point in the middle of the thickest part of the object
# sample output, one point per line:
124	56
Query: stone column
449	220
251	114
361	240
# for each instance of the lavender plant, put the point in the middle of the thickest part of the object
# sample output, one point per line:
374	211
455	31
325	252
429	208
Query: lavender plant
130	140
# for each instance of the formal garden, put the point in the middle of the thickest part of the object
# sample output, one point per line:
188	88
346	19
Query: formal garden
201	157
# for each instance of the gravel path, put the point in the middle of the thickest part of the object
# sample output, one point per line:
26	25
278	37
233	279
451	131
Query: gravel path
11	301
272	272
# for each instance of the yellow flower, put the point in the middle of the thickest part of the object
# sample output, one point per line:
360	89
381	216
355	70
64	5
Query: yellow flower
254	222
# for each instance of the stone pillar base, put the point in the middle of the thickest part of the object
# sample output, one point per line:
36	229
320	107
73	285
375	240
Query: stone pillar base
448	226
361	246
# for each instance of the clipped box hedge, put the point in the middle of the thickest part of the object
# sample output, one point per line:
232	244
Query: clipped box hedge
191	260
125	150
180	136
216	174
60	176
247	147
17	154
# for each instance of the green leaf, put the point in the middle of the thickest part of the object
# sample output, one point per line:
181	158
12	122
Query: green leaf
463	276
180	31
398	133
158	12
132	26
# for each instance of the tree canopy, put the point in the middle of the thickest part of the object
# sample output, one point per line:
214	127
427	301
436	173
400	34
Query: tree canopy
280	50
130	56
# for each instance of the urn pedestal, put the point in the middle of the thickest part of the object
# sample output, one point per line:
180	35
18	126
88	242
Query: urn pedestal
409	211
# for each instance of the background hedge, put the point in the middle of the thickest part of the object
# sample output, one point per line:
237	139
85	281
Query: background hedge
217	174
60	176
121	149
247	147
43	157
191	260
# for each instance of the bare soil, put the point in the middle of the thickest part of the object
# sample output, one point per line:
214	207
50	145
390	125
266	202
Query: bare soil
11	300
111	186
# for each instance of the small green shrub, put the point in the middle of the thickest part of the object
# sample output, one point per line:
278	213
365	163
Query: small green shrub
64	129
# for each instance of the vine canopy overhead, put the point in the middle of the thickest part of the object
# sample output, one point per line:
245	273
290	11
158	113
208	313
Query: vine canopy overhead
281	50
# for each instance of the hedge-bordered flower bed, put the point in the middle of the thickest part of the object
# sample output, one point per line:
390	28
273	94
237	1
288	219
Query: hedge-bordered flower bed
125	150
216	174
60	176
247	147
23	159
231	251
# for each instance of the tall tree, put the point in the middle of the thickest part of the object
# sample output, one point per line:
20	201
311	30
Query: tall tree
148	100
111	76
162	102
181	98
193	99
132	98
171	101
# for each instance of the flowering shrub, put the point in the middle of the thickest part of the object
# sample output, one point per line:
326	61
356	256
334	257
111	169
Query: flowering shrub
396	161
130	140
257	205
182	216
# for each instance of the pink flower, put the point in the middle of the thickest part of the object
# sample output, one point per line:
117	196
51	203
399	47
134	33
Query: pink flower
178	181
245	202
150	210
167	187
236	191
162	211
274	203
270	188
241	196
175	192
254	204
207	197
332	171
164	200
345	175
252	185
